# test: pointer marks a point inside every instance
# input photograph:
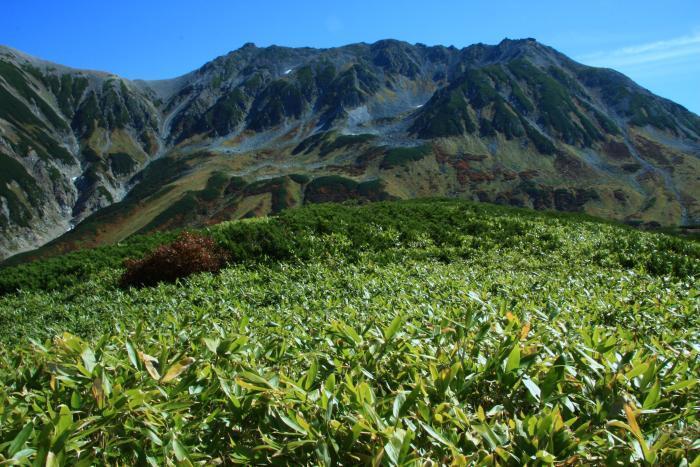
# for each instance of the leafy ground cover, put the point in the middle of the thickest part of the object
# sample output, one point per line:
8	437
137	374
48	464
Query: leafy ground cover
384	334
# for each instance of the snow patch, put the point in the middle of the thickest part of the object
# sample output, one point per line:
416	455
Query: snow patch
288	71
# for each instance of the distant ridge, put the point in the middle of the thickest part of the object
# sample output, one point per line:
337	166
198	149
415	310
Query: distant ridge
88	157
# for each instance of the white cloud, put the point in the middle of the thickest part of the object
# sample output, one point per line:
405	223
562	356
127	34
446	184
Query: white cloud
683	48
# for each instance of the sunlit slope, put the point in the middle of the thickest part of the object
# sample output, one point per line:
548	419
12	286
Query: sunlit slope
390	333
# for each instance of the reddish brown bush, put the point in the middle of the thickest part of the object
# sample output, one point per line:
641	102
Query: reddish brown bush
189	254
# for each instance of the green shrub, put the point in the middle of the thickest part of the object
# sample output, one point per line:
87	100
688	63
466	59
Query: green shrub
121	163
404	333
401	156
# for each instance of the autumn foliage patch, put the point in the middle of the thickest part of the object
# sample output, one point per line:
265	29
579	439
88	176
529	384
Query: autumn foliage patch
190	253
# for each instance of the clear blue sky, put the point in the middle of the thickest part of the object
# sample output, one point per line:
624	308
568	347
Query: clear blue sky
655	42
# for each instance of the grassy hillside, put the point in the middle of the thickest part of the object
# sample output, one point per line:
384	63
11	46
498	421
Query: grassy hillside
387	333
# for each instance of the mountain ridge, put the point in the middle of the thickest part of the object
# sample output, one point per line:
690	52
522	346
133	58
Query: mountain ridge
516	123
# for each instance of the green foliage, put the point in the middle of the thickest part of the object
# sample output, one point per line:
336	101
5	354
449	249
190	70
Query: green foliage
335	188
506	121
345	141
67	88
15	78
446	114
105	194
645	111
312	142
350	88
11	173
181	212
279	100
73	268
478	88
521	100
555	103
15	111
392	333
278	189
543	144
329	141
157	174
121	163
235	185
53	150
215	186
401	156
193	204
226	114
301	179
87	116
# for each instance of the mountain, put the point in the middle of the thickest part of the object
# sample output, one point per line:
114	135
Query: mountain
90	158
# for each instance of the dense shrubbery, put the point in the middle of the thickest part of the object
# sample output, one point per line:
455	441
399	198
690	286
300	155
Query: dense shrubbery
387	229
386	334
402	156
74	268
189	254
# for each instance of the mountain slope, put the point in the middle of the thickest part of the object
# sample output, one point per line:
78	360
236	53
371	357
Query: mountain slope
69	142
262	129
395	333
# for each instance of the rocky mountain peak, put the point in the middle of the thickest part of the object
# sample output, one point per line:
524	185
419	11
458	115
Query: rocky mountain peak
516	122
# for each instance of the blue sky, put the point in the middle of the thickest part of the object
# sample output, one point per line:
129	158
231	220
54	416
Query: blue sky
656	43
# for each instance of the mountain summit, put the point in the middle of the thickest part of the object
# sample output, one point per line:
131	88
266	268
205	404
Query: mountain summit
88	157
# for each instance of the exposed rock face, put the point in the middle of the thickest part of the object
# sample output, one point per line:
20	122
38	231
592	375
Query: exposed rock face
69	143
261	129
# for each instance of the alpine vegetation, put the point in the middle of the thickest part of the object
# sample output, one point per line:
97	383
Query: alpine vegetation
393	333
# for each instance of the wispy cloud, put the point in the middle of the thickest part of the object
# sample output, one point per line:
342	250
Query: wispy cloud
679	48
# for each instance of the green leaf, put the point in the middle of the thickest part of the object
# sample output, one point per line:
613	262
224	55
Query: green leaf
545	457
88	357
65	420
393	446
398	403
487	434
532	387
435	434
180	451
132	354
689	383
20	439
311	375
513	362
652	397
293	425
390	331
23	454
212	343
637	370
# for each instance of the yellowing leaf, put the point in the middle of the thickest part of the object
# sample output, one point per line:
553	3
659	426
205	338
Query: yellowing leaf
98	392
177	369
524	331
632	421
148	363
